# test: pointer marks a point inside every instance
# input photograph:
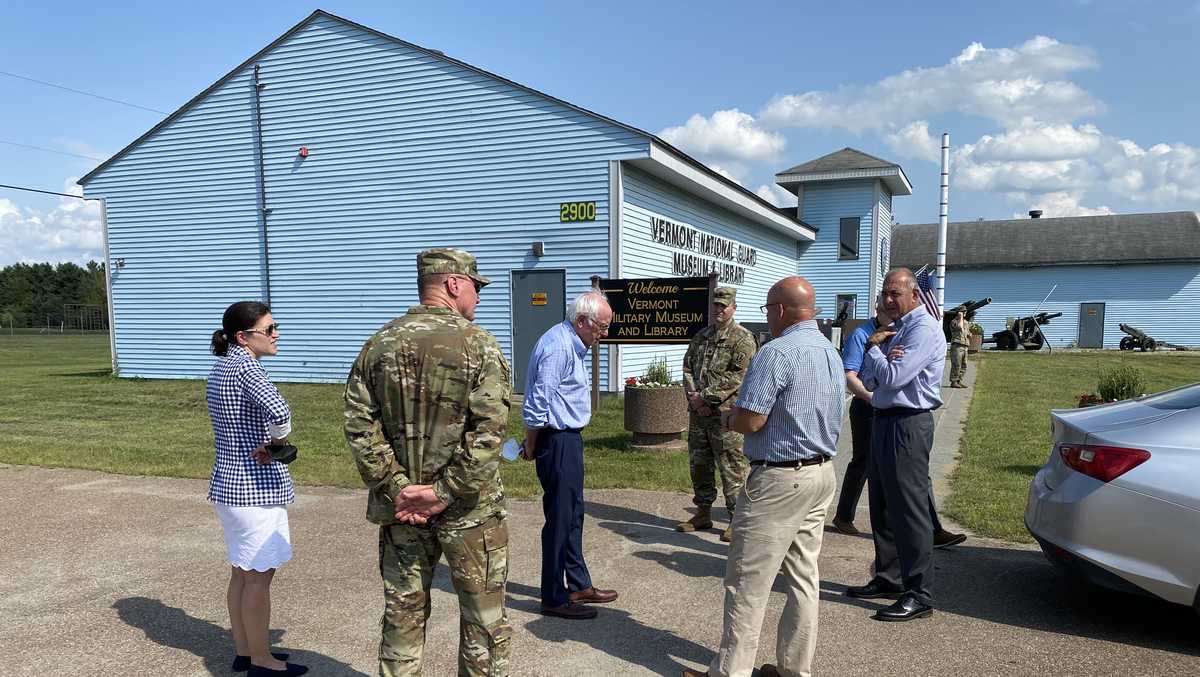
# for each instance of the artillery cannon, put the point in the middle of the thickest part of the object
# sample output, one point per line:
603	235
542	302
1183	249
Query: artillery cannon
1023	333
1136	339
968	309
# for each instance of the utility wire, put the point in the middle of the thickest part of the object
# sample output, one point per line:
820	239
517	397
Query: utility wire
80	91
51	150
46	192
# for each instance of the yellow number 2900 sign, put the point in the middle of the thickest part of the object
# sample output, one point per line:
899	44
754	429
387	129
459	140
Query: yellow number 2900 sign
577	211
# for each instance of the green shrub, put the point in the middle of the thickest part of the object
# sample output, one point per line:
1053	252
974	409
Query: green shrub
976	329
657	374
1120	383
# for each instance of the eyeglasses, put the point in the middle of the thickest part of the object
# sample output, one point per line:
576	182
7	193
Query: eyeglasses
763	308
270	329
602	328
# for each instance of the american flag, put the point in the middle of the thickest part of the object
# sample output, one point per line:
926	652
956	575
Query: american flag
927	294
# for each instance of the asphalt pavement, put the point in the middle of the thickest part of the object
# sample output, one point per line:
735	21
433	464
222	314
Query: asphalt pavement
115	575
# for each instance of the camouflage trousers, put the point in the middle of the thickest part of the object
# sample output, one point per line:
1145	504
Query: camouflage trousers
958	362
711	448
478	561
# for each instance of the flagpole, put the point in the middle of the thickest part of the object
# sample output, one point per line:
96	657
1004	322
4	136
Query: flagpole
943	219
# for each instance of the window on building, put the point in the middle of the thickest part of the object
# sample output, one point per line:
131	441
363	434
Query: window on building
884	252
846	303
849	238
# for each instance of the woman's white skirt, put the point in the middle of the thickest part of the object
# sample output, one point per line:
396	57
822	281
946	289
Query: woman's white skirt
256	537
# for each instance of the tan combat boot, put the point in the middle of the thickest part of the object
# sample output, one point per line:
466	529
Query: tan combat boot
701	520
727	535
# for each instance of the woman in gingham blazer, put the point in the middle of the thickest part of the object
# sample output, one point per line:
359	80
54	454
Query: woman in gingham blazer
249	490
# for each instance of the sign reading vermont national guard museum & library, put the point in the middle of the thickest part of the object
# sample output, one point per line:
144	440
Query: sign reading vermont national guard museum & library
656	310
733	258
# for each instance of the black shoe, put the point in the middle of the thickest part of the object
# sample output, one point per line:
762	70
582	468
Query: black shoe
874	590
906	608
292	670
570	610
844	527
242	663
945	539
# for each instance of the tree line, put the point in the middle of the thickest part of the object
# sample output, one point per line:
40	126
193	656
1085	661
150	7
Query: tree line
36	295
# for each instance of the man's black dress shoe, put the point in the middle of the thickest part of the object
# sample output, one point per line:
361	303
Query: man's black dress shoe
292	670
874	590
906	608
242	663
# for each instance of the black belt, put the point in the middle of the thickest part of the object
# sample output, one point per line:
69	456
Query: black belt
564	430
899	411
792	464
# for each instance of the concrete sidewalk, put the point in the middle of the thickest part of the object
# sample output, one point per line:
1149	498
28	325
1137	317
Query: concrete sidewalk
113	575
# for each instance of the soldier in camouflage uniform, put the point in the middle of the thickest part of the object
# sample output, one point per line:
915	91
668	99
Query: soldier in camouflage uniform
958	350
426	409
713	368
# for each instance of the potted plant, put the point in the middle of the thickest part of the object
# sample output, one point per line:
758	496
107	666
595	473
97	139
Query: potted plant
974	338
1116	384
655	410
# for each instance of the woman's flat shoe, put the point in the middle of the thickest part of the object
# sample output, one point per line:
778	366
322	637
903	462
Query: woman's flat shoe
292	670
242	663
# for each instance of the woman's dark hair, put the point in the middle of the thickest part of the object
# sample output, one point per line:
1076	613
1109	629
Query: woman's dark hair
240	316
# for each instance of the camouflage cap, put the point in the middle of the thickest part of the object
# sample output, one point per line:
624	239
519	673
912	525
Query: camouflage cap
725	296
445	260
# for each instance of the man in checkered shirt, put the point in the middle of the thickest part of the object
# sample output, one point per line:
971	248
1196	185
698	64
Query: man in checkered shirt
790	410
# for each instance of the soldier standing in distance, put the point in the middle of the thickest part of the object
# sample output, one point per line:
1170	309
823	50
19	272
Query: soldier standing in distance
426	411
958	350
713	369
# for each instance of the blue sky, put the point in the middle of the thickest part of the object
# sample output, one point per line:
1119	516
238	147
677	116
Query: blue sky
1071	106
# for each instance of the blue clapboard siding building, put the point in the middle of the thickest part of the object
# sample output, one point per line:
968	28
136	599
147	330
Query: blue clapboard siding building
1137	269
847	195
311	175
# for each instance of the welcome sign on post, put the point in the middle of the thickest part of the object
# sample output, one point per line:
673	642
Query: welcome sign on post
657	310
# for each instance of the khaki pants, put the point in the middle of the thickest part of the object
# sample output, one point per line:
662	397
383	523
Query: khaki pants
779	522
958	362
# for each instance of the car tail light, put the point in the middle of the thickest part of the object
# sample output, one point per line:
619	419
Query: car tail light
1102	462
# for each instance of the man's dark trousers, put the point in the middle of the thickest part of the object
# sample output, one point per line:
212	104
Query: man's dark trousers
560	471
900	500
858	469
861	414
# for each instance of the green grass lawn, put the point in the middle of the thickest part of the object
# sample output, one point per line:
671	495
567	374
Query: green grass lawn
59	407
1008	430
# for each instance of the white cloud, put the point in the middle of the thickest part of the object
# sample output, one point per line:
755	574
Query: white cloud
726	134
915	141
1007	85
732	172
68	232
1063	203
776	195
1053	159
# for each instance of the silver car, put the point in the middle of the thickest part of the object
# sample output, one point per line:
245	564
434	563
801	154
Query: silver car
1118	503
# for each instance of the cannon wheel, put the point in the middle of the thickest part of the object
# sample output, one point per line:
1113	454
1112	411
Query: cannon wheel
1035	342
1128	343
1149	344
1006	340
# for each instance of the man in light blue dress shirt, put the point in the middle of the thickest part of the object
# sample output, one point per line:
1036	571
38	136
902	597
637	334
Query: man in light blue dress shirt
557	407
902	367
790	410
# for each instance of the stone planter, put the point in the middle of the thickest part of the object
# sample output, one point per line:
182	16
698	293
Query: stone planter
974	343
657	417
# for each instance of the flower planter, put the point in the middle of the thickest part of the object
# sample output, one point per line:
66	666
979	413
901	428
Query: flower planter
657	417
974	343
